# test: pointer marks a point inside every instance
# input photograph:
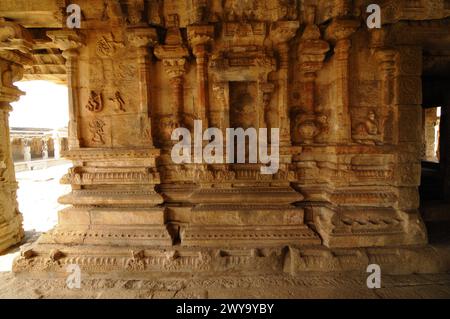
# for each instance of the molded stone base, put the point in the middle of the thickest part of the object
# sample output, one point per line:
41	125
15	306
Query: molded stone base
348	227
236	236
112	262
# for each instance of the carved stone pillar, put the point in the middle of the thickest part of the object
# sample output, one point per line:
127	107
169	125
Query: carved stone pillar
407	100
15	44
45	148
26	150
281	33
142	39
57	146
199	37
386	59
69	42
311	52
173	55
339	33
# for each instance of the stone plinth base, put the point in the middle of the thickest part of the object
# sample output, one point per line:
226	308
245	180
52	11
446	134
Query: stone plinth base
112	262
110	226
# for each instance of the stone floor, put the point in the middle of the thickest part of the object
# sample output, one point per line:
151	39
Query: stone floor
309	285
41	189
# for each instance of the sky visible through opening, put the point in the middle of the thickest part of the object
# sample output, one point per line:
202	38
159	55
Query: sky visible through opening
45	105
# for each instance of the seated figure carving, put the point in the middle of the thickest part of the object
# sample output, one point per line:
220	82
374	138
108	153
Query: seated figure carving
368	132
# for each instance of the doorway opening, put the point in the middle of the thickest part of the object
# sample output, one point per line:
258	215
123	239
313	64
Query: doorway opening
435	180
38	136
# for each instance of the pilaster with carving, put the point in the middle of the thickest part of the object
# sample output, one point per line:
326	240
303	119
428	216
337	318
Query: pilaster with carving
281	33
339	33
70	42
173	55
143	39
386	58
199	38
311	52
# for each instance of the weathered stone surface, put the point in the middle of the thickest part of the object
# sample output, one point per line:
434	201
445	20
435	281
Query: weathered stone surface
346	100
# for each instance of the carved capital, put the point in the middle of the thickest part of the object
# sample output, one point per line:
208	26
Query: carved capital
14	37
175	68
312	50
142	37
135	9
15	45
283	31
173	58
341	29
164	52
68	41
200	34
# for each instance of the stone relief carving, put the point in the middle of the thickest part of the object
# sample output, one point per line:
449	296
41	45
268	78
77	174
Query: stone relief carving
107	46
96	127
242	53
118	102
135	9
367	131
95	102
3	170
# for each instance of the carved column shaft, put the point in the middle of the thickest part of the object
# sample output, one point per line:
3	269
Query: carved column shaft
386	60
177	86
202	83
14	47
199	38
72	83
339	32
281	34
142	39
342	51
173	55
69	42
144	79
308	86
312	50
283	50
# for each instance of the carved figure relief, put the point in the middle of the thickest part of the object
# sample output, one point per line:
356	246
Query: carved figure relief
118	102
367	131
125	71
95	102
107	47
96	128
3	170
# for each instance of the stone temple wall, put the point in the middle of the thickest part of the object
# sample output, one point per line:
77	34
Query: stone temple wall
346	99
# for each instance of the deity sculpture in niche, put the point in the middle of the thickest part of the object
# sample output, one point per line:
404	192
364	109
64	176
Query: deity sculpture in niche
242	102
367	131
